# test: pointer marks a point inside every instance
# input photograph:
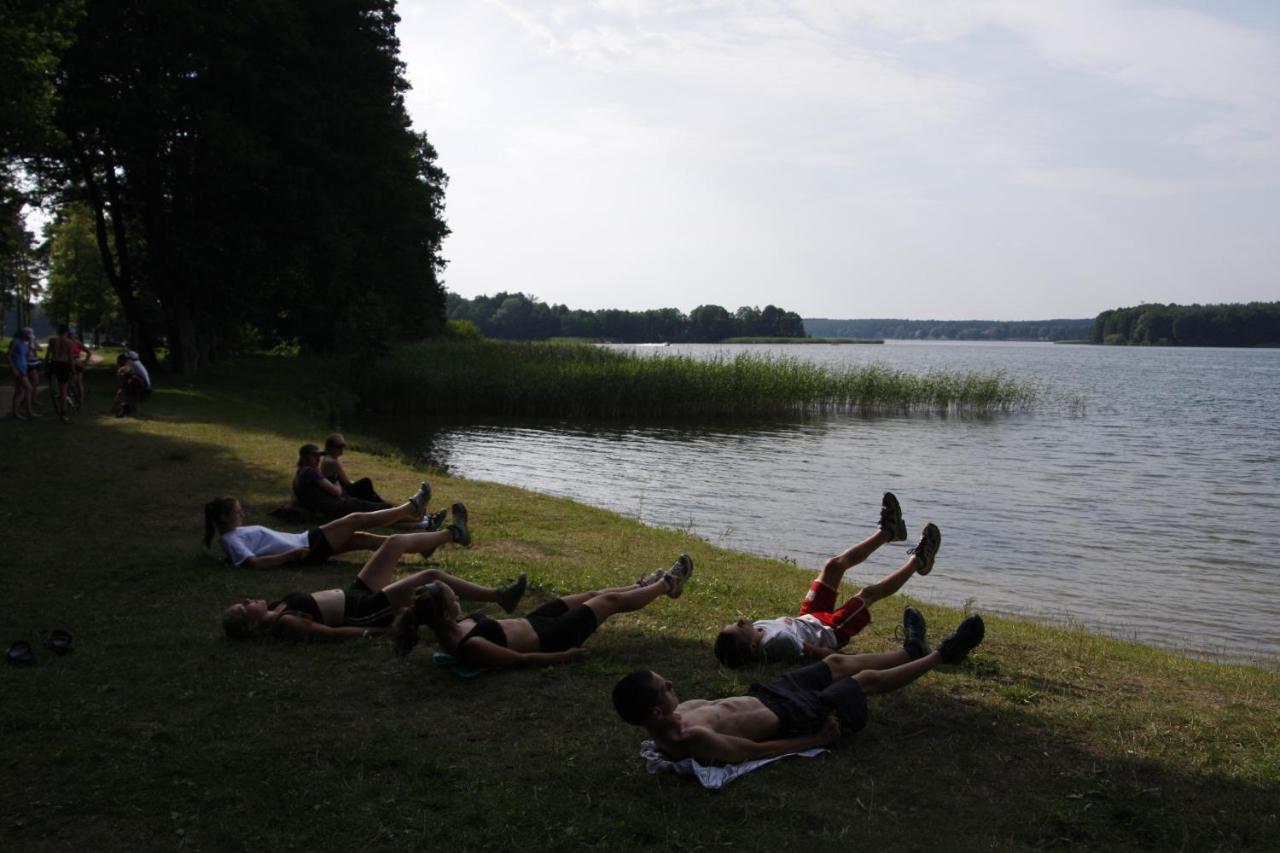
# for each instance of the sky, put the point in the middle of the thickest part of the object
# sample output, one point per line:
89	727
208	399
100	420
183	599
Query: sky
978	159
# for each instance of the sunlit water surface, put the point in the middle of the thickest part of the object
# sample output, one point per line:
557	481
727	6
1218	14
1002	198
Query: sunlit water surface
1140	501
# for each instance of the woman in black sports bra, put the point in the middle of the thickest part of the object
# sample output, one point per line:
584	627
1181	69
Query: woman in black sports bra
369	605
553	633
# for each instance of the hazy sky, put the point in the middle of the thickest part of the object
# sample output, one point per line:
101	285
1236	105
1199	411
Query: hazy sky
993	159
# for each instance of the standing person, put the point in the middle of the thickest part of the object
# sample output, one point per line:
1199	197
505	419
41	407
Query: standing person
314	492
61	365
19	350
79	360
806	707
821	628
33	368
335	472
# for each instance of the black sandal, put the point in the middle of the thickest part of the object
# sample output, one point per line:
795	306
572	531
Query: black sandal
59	642
20	654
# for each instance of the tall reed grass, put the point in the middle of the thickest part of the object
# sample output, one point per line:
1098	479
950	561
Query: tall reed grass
576	380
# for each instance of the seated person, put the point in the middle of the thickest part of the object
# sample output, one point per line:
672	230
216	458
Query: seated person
805	708
133	383
821	628
335	472
312	491
553	633
263	548
367	606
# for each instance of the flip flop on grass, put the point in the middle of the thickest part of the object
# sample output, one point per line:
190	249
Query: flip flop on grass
59	642
20	654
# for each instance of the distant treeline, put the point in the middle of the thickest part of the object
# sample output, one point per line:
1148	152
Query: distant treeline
1233	325
516	317
951	330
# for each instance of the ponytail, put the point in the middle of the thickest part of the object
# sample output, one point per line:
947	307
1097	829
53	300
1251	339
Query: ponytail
214	512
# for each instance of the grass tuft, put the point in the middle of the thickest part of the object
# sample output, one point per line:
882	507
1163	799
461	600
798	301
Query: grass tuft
498	378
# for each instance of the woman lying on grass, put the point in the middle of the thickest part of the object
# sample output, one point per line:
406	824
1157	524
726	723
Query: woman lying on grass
553	633
261	547
368	606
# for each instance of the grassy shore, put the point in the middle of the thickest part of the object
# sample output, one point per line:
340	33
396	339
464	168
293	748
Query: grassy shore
159	734
564	380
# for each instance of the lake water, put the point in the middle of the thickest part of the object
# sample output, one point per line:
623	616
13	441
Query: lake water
1142	501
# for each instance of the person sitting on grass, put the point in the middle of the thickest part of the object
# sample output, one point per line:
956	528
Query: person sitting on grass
821	628
261	547
368	606
318	494
335	446
803	709
133	384
553	633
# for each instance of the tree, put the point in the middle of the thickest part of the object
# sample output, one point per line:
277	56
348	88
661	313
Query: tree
78	290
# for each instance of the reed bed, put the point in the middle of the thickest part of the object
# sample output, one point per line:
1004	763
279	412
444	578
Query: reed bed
573	380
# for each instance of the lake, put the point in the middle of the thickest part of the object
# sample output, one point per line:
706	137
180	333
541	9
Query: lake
1140	501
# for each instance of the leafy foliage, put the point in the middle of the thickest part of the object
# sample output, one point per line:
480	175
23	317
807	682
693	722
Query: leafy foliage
950	330
1227	325
514	316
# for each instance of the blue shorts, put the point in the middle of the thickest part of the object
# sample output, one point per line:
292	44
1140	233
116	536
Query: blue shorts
803	698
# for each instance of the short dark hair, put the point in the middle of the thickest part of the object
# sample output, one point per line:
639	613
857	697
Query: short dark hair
635	696
732	650
62	328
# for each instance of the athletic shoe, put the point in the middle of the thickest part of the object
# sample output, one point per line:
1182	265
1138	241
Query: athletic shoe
891	518
434	520
678	574
420	498
967	636
913	632
461	534
927	548
653	577
509	596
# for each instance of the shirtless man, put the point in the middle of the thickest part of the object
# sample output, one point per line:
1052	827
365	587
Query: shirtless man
805	708
61	367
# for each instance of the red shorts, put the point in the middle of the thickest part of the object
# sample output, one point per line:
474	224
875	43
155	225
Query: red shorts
849	619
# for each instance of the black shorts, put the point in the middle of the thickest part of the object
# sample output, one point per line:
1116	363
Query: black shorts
60	371
803	698
559	628
366	608
318	548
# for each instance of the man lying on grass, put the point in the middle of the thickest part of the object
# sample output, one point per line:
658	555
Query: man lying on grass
821	627
806	707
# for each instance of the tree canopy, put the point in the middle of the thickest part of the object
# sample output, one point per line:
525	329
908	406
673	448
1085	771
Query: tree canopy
250	168
1225	325
515	316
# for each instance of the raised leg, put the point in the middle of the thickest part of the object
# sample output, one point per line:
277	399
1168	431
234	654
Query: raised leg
890	583
833	570
380	567
400	593
623	599
846	666
340	530
888	680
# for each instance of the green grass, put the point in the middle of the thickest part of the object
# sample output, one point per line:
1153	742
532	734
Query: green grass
159	734
561	380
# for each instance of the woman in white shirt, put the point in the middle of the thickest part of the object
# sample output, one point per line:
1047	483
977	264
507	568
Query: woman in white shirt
261	547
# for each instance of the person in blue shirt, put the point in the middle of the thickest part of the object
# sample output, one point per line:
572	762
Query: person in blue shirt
19	364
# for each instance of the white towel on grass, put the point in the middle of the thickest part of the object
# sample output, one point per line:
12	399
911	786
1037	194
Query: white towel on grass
711	776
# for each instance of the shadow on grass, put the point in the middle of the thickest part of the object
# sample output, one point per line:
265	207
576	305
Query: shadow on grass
158	733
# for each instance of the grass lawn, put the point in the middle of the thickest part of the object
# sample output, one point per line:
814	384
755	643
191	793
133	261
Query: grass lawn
159	734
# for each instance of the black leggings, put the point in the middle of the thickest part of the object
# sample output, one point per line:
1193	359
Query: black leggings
560	628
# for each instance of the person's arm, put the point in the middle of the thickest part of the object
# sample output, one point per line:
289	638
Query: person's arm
275	560
344	632
324	482
339	472
707	745
481	652
817	652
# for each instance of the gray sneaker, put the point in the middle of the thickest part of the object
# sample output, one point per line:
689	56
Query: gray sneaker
927	548
891	521
420	498
967	636
653	577
678	574
461	533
